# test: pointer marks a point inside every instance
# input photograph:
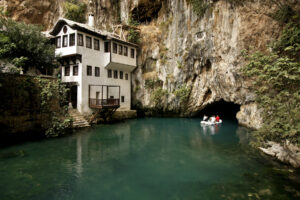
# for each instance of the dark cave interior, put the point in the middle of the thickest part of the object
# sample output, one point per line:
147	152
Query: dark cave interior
226	110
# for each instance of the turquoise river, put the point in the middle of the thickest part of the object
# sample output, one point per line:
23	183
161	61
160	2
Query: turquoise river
146	159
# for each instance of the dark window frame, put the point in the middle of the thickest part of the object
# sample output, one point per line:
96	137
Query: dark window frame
121	74
97	71
72	40
115	48
115	74
106	47
126	76
58	44
65	39
80	40
120	49
109	73
67	70
89	70
96	44
132	53
125	51
75	72
88	44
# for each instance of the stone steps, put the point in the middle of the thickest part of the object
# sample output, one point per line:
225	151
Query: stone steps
78	119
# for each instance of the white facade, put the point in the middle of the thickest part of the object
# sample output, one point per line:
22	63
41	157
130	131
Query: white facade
74	55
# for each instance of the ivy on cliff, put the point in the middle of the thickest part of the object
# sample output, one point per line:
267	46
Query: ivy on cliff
276	81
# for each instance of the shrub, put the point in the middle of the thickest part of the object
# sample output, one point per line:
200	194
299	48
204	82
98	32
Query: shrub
75	10
56	123
183	93
157	95
133	36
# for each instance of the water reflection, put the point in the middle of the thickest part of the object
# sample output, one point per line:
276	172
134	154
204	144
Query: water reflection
142	159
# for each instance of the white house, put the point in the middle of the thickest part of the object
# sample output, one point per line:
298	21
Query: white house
96	65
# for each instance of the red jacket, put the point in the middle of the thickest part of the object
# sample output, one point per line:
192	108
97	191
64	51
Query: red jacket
217	118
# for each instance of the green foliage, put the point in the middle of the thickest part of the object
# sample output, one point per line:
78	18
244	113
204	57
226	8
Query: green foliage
157	95
283	14
183	93
75	10
133	34
276	80
59	121
289	42
199	6
25	46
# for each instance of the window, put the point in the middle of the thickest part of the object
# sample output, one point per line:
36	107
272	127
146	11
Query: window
126	76
111	97
109	74
106	47
88	42
120	49
125	51
65	40
89	70
80	40
75	70
115	48
72	39
132	53
96	44
122	99
115	74
121	75
97	71
58	42
67	71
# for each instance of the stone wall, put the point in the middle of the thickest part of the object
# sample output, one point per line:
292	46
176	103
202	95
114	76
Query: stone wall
20	106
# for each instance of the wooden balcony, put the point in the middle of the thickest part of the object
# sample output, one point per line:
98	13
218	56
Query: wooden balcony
104	103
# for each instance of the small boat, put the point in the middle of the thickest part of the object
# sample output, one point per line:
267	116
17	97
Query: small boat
211	123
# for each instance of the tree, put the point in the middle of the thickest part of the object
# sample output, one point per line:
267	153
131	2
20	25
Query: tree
25	46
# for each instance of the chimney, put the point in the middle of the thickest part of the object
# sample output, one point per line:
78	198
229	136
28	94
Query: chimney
91	20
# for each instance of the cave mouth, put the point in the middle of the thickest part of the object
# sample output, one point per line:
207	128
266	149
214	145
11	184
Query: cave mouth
226	110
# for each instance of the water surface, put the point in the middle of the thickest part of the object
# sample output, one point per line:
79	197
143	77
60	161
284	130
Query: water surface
141	159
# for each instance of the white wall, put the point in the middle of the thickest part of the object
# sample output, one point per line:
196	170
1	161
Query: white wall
99	59
127	60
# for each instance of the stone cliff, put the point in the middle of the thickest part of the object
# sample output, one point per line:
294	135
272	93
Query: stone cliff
189	61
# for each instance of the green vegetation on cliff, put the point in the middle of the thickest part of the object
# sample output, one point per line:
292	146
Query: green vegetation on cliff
75	10
276	81
24	46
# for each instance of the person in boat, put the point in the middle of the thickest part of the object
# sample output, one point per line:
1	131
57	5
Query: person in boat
212	119
205	118
217	118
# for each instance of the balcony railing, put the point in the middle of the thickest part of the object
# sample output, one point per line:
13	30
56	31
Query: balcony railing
104	103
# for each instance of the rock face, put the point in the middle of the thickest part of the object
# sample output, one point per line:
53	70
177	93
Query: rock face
43	12
286	153
180	50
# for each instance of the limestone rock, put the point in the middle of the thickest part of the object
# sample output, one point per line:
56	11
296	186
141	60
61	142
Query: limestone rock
287	153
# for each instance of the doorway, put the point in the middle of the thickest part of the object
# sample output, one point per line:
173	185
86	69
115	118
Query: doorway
73	96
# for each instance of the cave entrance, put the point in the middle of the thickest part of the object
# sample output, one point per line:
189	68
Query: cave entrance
226	110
